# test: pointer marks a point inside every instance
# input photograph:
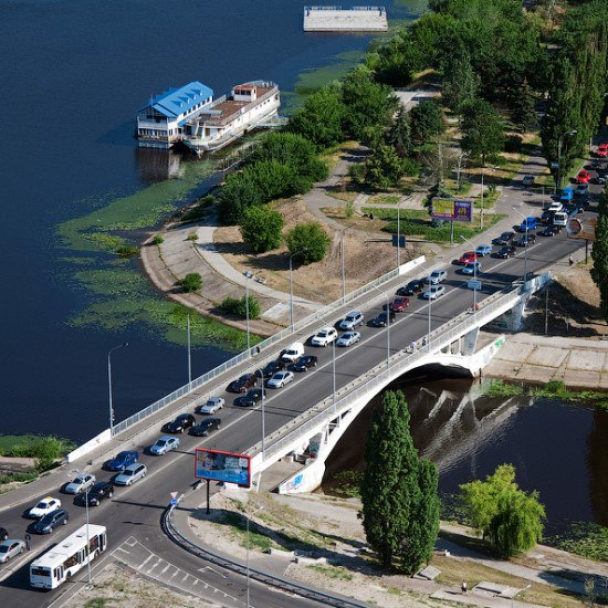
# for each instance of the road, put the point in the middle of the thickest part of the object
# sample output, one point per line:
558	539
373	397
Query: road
134	513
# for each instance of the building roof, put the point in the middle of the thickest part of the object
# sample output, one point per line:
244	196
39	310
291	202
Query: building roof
174	102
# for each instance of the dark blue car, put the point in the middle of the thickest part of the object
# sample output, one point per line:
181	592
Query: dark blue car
123	460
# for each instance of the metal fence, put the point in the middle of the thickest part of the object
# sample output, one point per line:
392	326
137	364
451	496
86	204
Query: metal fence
445	334
123	425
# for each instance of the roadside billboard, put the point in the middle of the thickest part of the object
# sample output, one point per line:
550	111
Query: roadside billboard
581	228
216	465
452	210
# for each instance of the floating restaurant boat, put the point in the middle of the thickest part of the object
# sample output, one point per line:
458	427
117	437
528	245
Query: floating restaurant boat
190	115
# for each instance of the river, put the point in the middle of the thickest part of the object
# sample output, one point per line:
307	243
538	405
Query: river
74	74
558	449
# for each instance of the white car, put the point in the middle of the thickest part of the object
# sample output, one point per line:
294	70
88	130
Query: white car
46	505
555	207
436	277
11	548
324	336
213	405
352	320
280	379
164	444
434	292
349	338
81	483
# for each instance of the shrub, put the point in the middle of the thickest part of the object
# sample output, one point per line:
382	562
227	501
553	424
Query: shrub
238	307
308	242
193	236
158	239
127	251
261	228
191	282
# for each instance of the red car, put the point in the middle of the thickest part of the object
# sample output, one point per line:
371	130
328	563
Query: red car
583	177
602	150
466	258
399	304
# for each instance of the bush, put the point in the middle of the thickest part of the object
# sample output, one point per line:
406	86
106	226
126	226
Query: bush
261	228
308	242
158	239
191	282
193	236
127	251
238	307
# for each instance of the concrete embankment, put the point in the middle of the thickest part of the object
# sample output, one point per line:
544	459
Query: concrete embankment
579	363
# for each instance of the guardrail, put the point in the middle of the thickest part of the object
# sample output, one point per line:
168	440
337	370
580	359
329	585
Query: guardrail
456	327
253	573
123	425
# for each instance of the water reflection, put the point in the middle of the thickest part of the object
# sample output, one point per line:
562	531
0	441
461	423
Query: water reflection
154	165
557	448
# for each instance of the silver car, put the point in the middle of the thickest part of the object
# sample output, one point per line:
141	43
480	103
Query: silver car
213	405
280	379
164	445
352	320
349	338
81	483
134	472
10	548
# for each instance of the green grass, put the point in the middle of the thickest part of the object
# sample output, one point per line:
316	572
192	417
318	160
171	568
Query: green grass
554	389
336	572
19	477
498	388
28	445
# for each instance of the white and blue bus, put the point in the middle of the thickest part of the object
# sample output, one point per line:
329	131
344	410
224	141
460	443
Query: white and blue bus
66	558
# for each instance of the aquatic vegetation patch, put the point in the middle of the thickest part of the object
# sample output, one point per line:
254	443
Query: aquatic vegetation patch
554	389
583	538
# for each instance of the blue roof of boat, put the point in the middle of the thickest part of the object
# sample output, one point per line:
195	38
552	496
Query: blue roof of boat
174	102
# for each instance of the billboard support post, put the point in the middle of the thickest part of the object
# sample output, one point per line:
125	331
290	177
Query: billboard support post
208	509
586	250
451	232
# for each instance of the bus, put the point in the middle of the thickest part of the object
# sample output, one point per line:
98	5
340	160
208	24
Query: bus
66	558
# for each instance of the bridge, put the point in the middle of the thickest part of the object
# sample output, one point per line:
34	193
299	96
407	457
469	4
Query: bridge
310	420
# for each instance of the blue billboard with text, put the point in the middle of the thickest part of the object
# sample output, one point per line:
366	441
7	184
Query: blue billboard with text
216	465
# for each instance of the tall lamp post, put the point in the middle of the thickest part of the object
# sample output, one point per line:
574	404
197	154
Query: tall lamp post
388	328
249	515
526	247
399	234
189	353
558	180
291	282
263	414
474	275
344	264
482	207
110	401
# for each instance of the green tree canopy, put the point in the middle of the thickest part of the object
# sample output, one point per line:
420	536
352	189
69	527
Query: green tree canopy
307	242
399	135
383	168
504	514
261	228
483	134
238	193
460	82
321	119
599	254
426	121
191	282
400	506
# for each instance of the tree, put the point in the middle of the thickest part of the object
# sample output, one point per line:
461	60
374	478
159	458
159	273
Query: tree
483	133
460	82
400	506
523	106
399	134
308	242
320	120
191	282
504	514
383	168
426	121
238	193
599	254
261	228
238	307
393	66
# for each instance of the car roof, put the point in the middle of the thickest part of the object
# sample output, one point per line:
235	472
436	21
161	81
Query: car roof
353	313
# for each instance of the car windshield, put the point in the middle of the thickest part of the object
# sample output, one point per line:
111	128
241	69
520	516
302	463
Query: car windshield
42	505
4	548
161	443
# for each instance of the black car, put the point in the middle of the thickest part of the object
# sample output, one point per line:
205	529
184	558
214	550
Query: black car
508	251
270	369
547	217
46	524
180	424
100	491
251	398
206	426
504	239
381	319
3	534
549	231
304	362
243	384
526	240
413	287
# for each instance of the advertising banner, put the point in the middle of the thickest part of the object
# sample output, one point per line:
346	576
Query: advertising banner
581	228
452	210
216	465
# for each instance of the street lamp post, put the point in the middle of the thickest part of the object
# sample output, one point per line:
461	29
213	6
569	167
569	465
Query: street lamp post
344	264
189	353
474	275
526	247
558	179
291	283
388	329
263	414
86	516
248	571
110	400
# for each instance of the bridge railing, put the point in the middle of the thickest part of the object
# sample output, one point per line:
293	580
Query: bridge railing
445	334
321	315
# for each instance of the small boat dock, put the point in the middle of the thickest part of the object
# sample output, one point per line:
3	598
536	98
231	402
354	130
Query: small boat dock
336	19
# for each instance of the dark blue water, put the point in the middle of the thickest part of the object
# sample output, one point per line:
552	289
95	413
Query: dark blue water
74	73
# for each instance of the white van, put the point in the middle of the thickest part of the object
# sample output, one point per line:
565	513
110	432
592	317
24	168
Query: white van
293	352
560	219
